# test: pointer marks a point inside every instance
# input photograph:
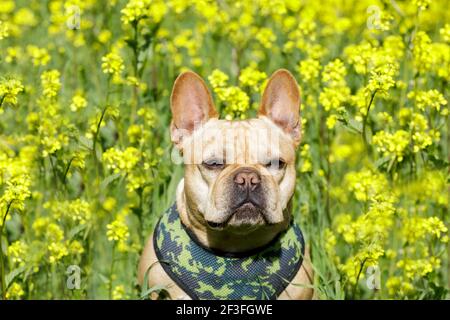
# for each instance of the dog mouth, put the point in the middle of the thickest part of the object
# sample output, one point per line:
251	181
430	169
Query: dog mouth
247	211
245	214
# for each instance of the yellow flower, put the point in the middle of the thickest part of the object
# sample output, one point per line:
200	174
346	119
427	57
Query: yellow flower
432	99
393	145
236	102
17	252
422	4
119	293
4	30
381	79
51	83
17	191
13	54
78	102
136	10
9	89
218	79
135	133
25	17
122	160
53	233
334	98
112	64
252	77
333	74
39	56
421	52
354	268
76	248
104	36
331	121
330	242
57	251
445	33
265	36
15	292
398	286
109	204
7	6
309	69
118	230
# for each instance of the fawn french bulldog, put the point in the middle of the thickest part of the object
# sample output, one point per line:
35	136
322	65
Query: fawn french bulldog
230	234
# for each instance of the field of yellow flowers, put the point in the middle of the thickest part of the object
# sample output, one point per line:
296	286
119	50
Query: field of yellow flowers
86	162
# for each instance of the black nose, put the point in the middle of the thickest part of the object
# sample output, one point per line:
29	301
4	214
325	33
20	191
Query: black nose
247	178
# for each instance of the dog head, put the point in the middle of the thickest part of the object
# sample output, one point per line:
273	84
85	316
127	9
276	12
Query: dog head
239	175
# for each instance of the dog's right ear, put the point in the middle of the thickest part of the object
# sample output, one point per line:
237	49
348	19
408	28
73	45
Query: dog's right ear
191	105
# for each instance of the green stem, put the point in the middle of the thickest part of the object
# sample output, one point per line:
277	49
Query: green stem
97	130
141	225
2	259
2	99
67	170
55	175
113	257
328	178
372	97
136	48
136	71
357	278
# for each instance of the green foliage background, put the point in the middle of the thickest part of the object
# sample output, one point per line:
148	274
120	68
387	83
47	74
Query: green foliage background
85	153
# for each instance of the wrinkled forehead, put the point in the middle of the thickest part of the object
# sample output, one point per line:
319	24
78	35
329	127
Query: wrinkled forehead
238	142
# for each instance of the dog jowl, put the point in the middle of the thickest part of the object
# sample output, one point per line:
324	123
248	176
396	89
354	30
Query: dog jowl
239	175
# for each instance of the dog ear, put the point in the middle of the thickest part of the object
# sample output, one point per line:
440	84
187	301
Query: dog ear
281	103
191	105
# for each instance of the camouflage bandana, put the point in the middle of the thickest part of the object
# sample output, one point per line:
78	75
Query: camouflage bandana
204	274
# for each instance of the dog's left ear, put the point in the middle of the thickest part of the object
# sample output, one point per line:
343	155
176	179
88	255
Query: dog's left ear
281	103
191	104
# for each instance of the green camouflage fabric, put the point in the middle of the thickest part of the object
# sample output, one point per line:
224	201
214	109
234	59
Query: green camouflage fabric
203	274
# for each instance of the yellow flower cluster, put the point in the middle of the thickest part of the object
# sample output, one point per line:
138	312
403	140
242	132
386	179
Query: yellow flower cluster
122	161
392	145
78	102
39	56
431	99
336	92
112	64
4	30
9	89
51	83
135	10
118	232
236	101
17	251
253	78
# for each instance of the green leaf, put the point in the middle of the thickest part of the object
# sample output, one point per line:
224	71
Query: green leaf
108	180
74	231
13	274
382	161
439	163
158	289
352	125
104	279
85	142
356	125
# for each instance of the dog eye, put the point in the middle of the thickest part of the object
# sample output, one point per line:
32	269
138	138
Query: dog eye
213	164
277	164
